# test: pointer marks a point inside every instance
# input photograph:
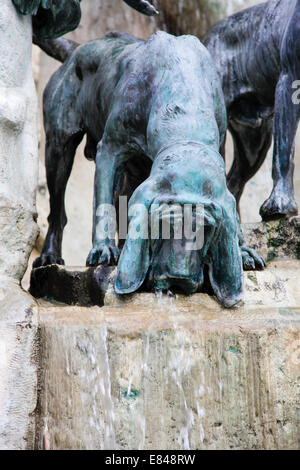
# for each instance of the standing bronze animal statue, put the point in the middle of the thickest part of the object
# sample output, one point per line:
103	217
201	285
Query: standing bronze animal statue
154	116
257	56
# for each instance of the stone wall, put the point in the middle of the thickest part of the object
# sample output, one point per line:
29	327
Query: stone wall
18	143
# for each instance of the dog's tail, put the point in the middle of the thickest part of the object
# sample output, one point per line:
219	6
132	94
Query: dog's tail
60	49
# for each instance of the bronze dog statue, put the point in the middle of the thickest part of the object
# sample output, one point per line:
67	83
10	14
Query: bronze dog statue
154	116
257	56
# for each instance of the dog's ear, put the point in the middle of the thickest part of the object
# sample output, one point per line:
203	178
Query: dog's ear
135	257
225	267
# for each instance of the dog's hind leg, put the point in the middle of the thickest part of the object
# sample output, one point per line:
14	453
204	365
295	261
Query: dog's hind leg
251	145
282	202
60	152
286	119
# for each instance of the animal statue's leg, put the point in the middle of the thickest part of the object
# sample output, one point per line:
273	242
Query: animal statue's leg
251	145
59	162
136	171
286	119
108	165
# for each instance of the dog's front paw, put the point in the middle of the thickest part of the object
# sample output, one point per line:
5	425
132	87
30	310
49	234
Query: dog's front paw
106	255
277	206
252	261
47	259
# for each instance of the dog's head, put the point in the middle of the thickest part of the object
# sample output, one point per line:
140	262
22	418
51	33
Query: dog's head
170	242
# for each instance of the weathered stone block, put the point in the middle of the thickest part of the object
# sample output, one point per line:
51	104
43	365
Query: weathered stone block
18	142
150	371
160	372
18	230
278	239
164	373
18	367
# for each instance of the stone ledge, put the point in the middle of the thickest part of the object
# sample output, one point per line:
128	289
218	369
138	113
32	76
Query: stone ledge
275	288
274	240
71	285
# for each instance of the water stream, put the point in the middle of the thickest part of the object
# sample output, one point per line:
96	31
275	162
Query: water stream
105	390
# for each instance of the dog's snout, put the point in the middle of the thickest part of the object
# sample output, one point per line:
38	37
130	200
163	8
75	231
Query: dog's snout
184	285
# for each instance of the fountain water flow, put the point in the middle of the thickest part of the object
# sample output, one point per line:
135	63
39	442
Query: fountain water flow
100	389
105	389
179	365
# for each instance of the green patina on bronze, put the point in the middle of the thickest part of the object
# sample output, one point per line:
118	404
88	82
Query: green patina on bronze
154	117
234	350
131	394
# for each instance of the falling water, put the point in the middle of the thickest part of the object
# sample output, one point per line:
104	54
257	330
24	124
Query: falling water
180	360
105	389
179	366
129	387
165	301
141	422
99	380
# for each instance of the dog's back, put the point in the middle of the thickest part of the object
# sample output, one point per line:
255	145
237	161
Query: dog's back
189	102
247	48
83	87
171	90
134	82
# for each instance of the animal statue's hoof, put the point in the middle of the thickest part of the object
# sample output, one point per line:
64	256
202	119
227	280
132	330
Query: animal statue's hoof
277	207
47	259
252	261
106	255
